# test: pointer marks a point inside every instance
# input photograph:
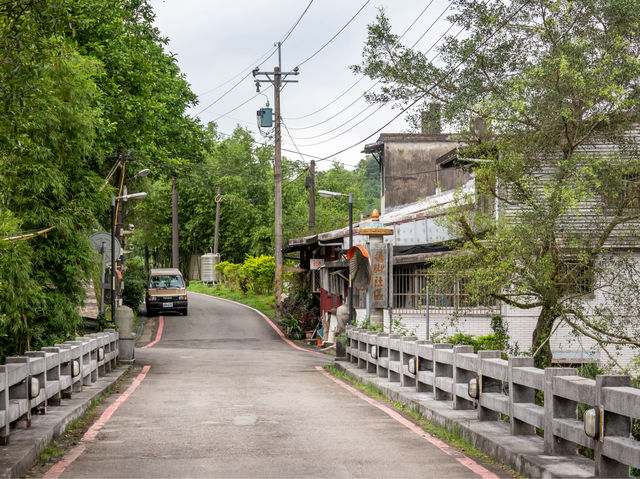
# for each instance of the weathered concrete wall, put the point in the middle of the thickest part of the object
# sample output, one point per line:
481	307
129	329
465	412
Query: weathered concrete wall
409	170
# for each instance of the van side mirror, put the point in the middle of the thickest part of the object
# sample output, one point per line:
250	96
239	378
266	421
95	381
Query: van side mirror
186	281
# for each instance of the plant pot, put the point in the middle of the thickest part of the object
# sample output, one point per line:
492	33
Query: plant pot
308	334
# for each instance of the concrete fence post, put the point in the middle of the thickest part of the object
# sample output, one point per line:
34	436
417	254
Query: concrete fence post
461	376
408	351
489	385
424	366
615	425
4	407
395	362
372	362
520	394
556	406
363	347
383	355
441	370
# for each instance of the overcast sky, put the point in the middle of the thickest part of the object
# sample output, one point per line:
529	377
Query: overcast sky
218	42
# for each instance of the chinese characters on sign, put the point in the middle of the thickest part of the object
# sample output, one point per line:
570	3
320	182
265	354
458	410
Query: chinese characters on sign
316	263
379	279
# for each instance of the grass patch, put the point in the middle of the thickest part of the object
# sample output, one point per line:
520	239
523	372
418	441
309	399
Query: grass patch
51	451
452	437
261	302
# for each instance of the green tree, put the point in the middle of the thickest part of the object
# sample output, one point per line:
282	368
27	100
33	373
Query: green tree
552	79
48	122
78	79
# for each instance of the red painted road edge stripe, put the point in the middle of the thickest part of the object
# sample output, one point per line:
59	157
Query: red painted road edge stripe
58	469
270	323
467	462
158	334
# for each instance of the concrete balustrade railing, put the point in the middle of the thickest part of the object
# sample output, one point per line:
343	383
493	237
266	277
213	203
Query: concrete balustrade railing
31	383
509	388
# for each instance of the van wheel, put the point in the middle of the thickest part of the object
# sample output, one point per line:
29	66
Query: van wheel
183	312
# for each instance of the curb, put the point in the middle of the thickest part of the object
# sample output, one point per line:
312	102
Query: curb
523	454
26	445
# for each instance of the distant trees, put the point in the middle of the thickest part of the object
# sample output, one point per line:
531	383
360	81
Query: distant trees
242	169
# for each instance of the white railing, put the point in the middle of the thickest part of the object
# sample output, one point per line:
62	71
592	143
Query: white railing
31	383
508	388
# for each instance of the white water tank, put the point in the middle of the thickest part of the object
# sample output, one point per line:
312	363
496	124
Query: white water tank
208	273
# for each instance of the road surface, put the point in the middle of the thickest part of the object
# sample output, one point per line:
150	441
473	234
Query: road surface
225	396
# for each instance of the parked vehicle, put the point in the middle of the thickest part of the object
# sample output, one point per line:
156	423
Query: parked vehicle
166	291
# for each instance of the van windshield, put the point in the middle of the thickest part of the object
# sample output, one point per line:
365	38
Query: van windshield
162	281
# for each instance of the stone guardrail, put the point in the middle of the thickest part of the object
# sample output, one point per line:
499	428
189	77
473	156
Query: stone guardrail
31	383
499	388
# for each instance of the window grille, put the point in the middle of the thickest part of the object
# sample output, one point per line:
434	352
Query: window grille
578	277
410	293
315	280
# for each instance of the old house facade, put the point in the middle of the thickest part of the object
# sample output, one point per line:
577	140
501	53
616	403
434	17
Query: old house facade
419	175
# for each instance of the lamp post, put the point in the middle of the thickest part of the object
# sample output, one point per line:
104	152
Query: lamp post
333	194
132	196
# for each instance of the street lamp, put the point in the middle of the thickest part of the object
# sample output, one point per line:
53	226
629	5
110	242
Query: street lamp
333	194
132	196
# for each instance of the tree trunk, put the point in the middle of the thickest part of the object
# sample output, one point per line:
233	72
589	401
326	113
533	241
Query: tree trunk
540	339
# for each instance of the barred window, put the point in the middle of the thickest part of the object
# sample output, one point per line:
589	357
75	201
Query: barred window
410	291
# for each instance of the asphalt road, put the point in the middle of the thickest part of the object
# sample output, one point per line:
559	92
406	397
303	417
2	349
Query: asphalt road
226	397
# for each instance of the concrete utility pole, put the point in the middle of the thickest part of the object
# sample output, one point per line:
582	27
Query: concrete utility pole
277	78
312	196
174	225
215	236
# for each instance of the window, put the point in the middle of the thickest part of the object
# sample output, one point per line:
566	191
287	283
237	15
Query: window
626	193
315	280
632	191
453	293
166	281
409	286
577	278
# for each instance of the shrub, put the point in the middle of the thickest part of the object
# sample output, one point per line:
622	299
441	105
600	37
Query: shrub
135	282
232	276
260	272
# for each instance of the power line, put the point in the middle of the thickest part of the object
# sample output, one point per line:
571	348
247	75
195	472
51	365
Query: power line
330	103
272	50
341	111
376	83
294	143
269	52
382	105
340	126
440	80
363	76
334	37
240	105
284	39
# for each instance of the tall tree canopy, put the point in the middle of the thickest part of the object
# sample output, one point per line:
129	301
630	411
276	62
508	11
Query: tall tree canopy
554	80
78	79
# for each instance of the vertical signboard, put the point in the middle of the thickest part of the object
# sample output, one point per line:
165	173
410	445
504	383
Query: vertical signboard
379	275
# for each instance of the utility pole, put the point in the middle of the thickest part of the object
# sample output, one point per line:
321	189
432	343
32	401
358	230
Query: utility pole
174	223
215	238
277	78
312	196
